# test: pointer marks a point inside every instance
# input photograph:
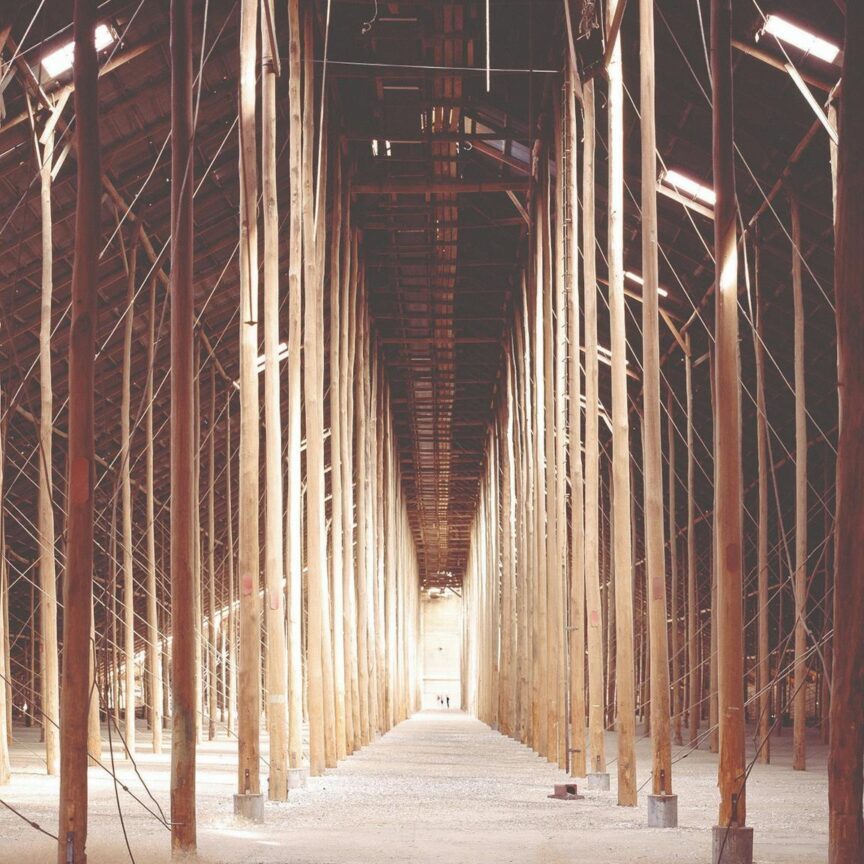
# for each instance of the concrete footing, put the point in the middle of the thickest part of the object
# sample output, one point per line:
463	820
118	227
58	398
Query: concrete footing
732	844
297	778
598	782
249	807
566	792
662	811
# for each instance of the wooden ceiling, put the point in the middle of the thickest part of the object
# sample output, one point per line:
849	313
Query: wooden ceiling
441	209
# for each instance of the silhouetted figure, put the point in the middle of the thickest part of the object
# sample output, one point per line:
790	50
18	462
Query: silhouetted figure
448	701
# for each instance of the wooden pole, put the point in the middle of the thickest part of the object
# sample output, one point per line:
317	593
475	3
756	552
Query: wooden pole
197	597
337	263
799	709
294	542
624	684
313	390
184	627
78	573
6	683
677	681
231	686
277	666
845	774
655	560
154	645
126	500
577	548
762	646
47	566
249	693
211	557
596	686
727	493
693	707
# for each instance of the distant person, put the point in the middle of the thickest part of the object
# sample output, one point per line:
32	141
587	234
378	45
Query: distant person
448	701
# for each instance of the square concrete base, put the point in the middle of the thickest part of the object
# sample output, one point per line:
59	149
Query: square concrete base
249	807
297	778
598	782
733	845
662	811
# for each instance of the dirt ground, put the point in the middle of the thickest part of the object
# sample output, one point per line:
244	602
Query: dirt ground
440	787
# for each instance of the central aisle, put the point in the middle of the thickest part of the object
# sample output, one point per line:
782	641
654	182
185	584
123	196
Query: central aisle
443	787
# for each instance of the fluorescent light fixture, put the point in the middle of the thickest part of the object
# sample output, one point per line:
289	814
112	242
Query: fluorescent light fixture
685	185
785	31
374	146
60	61
387	148
635	277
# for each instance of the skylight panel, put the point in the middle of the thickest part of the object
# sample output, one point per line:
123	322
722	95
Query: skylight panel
688	187
797	36
635	277
60	61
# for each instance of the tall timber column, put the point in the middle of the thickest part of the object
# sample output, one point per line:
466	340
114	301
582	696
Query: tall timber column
693	667
675	602
598	777
5	677
47	565
845	775
211	558
126	499
732	841
274	597
662	804
154	646
78	574
294	503
577	540
248	802
184	627
231	682
313	394
621	528
337	264
763	654
799	699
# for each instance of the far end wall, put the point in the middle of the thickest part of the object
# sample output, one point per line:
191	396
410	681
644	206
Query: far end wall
442	640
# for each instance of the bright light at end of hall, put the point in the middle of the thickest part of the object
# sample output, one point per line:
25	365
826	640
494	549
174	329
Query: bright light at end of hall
635	277
808	42
60	61
685	185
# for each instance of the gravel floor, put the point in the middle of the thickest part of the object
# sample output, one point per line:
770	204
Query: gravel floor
440	787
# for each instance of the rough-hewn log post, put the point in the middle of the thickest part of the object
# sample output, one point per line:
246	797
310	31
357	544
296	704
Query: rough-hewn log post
693	704
47	566
211	558
294	543
624	683
799	702
762	648
249	693
577	538
655	560
78	573
845	823
274	606
126	506
728	486
154	645
593	611
184	500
